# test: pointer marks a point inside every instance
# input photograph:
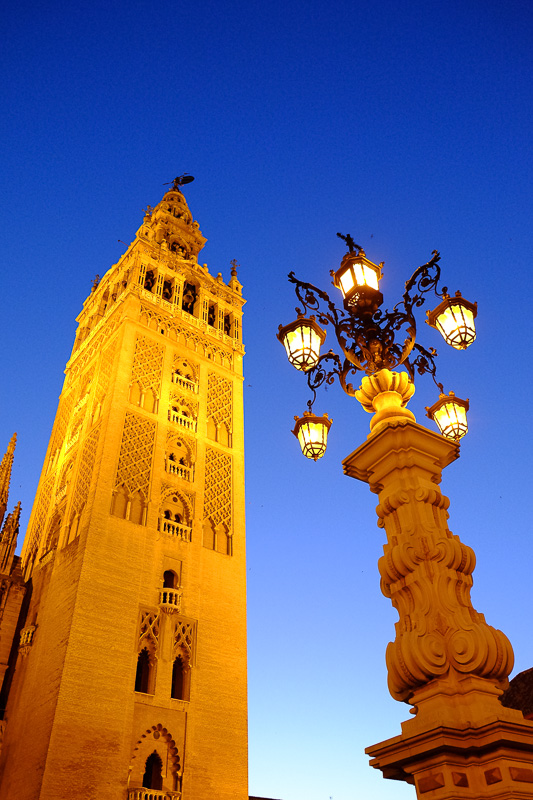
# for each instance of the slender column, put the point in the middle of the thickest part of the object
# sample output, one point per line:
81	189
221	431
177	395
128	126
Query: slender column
445	660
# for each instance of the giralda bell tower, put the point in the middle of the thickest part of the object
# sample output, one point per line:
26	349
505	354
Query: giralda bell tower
130	681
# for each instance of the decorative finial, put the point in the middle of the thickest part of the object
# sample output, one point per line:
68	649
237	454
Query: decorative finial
234	266
181	180
95	282
352	246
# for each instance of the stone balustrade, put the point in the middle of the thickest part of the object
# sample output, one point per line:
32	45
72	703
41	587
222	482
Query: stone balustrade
176	529
179	470
180	419
170	599
185	383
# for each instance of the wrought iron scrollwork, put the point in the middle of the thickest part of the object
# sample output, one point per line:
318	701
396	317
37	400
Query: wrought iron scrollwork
370	342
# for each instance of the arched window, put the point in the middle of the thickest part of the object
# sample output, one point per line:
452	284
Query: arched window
120	503
212	429
189	298
178	680
149	401
222	539
167	291
170	579
174	509
135	394
209	535
137	508
143	674
53	534
153	777
223	434
149	281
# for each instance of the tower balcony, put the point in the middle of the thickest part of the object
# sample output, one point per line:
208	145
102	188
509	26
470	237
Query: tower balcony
152	794
176	529
185	383
178	469
179	419
170	600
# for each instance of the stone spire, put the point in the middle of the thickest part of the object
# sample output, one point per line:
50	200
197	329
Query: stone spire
5	475
8	540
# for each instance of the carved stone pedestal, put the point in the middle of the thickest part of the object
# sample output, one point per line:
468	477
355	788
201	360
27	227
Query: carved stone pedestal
446	661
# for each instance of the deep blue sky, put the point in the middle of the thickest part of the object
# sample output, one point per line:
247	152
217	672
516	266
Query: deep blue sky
407	124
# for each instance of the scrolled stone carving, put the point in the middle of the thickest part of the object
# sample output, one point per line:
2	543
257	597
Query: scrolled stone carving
425	570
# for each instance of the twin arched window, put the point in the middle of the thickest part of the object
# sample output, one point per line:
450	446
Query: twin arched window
143	676
153	773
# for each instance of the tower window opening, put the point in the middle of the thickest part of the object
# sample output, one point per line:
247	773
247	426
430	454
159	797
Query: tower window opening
153	772
143	673
149	281
227	325
170	579
180	689
167	291
137	508
211	316
189	298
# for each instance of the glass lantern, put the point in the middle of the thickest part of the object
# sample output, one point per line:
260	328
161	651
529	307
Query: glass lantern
312	433
358	279
454	319
449	412
302	340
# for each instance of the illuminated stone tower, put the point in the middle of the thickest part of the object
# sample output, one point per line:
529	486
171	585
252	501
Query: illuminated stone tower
133	669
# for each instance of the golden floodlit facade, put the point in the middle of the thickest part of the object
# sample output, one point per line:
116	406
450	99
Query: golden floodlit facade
127	676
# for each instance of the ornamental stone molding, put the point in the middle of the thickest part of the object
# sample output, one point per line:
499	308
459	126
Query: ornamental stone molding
445	660
426	571
386	393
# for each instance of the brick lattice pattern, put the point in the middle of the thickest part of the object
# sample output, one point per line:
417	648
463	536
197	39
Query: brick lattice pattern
147	364
136	451
219	400
85	470
217	498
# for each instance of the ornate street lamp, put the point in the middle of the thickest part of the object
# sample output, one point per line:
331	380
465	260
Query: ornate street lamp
312	433
302	340
454	319
446	661
358	279
449	412
372	340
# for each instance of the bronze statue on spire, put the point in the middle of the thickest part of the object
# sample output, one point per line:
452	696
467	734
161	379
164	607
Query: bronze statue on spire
181	180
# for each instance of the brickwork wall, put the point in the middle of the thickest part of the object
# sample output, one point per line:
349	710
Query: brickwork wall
73	695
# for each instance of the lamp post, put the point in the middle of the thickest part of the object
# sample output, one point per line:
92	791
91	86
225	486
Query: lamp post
445	661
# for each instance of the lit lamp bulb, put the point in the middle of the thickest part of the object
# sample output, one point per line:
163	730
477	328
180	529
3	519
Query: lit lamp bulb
312	433
449	412
454	319
302	340
358	279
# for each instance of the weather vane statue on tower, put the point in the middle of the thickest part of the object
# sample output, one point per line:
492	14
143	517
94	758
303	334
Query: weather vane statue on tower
181	180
